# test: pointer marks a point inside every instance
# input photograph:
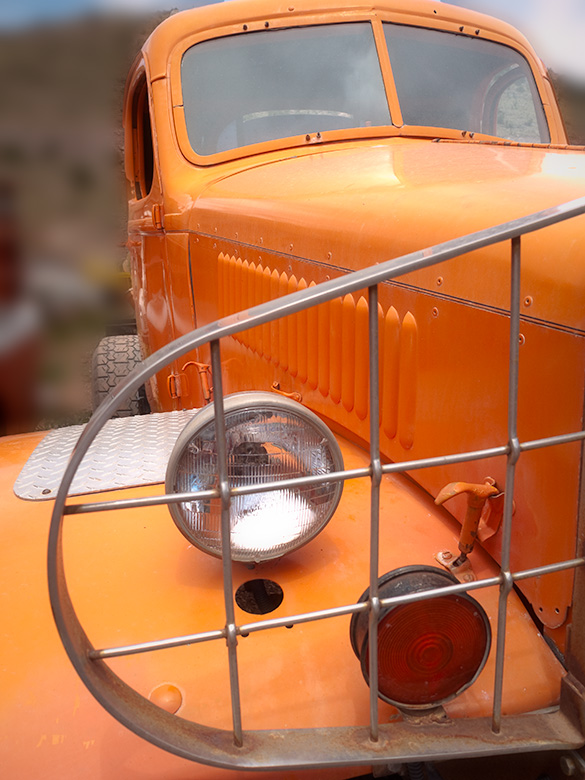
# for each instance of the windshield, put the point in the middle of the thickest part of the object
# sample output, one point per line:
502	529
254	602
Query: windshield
464	83
246	89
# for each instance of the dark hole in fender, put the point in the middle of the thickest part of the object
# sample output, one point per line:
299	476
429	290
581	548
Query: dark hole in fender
258	597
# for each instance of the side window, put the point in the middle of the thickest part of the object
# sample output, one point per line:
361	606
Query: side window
510	108
515	116
142	141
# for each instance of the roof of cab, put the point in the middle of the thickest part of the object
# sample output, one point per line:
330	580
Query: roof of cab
255	13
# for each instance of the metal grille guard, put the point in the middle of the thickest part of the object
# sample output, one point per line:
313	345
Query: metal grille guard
330	747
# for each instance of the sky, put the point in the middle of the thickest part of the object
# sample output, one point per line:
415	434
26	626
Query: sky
556	28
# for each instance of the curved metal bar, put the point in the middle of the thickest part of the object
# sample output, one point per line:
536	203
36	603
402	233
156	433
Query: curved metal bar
328	747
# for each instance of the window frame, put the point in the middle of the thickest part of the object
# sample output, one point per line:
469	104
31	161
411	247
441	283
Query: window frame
377	19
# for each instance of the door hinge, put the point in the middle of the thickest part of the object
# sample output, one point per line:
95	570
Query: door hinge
204	370
157	216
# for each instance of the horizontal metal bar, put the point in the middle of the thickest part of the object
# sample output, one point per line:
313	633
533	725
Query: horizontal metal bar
444	460
448	590
551	441
323	614
411	465
306	617
199	495
338	476
138	503
158	644
550	568
243	630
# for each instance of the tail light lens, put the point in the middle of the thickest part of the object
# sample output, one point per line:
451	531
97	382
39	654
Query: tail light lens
428	651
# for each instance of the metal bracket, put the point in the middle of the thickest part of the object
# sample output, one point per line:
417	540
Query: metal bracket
477	496
275	387
205	376
177	385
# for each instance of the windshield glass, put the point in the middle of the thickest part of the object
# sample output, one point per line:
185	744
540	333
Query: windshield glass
262	86
464	83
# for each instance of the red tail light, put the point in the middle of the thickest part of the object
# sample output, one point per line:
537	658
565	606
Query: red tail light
428	651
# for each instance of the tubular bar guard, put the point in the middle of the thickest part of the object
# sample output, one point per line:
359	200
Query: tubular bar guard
328	747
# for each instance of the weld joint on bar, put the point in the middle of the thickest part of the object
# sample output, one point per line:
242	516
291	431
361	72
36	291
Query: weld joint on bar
514	450
506	581
224	493
231	635
376	471
375	607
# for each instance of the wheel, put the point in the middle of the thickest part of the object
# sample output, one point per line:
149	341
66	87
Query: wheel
113	359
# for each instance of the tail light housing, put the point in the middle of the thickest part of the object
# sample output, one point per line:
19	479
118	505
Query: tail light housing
429	651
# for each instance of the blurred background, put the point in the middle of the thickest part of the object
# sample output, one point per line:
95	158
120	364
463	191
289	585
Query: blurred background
63	65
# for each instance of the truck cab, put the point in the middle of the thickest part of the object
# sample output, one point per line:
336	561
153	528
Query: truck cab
355	238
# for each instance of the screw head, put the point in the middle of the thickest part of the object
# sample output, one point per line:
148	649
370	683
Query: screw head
568	766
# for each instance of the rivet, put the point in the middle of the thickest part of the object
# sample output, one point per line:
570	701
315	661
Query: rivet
528	301
215	229
245	27
439	281
290	246
329	255
46	491
435	312
307	137
214	245
166	696
236	236
266	24
521	339
477	32
261	240
461	28
447	555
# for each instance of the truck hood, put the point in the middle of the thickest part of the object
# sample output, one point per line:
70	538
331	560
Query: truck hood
370	202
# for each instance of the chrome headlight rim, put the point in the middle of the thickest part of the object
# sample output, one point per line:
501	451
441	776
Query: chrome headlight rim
262	401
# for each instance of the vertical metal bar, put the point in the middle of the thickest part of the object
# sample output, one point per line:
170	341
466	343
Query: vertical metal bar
376	478
226	553
513	455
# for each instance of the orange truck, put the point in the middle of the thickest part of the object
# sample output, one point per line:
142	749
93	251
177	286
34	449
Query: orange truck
347	540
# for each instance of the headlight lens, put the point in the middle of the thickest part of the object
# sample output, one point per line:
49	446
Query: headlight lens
268	439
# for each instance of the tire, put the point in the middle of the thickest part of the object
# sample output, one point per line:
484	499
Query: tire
113	359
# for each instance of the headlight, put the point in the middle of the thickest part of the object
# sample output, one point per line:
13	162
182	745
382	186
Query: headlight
268	439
